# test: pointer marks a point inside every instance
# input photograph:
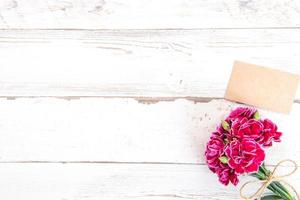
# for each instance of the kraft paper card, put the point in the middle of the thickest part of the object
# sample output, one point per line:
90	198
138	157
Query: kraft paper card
262	87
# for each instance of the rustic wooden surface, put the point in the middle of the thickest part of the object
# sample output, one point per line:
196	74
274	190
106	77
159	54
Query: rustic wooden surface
111	99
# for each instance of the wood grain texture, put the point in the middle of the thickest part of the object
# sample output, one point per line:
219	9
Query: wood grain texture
113	181
134	63
137	14
121	130
110	182
85	139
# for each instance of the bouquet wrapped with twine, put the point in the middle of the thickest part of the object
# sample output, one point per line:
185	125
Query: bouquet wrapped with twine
237	147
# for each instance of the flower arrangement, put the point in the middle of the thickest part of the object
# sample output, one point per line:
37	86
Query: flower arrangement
237	147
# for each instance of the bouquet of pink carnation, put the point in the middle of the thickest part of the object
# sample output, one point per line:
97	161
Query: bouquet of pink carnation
237	147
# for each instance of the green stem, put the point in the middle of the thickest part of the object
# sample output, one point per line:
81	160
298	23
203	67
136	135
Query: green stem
281	186
280	191
276	187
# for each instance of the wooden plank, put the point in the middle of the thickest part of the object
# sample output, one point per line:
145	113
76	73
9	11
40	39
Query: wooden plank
113	181
110	182
121	130
104	14
161	63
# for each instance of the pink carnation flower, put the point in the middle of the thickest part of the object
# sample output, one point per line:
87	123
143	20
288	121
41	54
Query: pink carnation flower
245	156
227	175
249	128
236	147
269	133
214	150
241	112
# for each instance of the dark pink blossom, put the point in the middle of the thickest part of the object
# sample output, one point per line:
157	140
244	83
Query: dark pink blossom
244	156
227	175
248	128
214	150
269	133
236	147
241	112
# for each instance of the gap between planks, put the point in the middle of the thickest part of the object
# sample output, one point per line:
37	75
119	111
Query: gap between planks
97	162
110	162
149	29
143	100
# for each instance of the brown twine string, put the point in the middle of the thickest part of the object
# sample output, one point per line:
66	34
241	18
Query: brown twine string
265	183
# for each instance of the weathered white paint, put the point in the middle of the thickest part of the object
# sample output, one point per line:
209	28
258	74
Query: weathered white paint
162	50
137	14
113	181
121	130
137	63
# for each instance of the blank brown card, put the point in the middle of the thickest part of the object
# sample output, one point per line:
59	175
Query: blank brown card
262	87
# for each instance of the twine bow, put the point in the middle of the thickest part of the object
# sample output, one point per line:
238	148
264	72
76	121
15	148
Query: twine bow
265	183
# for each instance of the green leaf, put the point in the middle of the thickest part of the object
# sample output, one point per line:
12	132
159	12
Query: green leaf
271	197
223	159
225	125
256	115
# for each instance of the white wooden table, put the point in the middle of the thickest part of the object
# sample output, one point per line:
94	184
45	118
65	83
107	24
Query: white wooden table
115	99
